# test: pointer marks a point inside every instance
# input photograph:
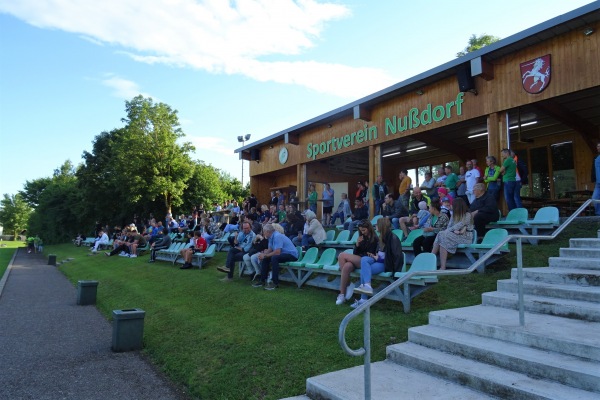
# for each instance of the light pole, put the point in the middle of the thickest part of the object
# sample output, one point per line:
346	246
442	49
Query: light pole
242	140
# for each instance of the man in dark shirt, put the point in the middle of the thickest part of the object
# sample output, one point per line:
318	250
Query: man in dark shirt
360	212
484	209
394	210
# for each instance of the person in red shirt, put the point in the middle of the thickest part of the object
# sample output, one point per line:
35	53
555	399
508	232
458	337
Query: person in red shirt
198	247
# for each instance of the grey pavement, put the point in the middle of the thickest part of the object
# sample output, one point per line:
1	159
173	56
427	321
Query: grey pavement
51	348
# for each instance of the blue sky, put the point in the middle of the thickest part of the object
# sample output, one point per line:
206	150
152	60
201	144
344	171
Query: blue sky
229	67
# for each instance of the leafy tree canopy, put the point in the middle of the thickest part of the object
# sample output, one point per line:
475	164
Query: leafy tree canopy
14	213
477	42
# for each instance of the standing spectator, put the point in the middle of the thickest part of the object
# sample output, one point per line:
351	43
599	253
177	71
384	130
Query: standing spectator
520	178
596	179
429	185
471	178
484	209
509	178
461	185
281	249
280	198
438	221
366	198
491	177
252	201
312	198
328	195
360	191
477	167
459	231
343	211
441	177
163	243
242	243
365	244
451	181
274	199
380	190
360	212
404	189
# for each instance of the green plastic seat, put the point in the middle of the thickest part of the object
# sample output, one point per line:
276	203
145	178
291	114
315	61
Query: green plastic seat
330	235
352	240
342	236
327	258
349	219
422	262
516	216
545	216
309	257
412	235
492	238
336	266
375	219
299	250
388	274
399	233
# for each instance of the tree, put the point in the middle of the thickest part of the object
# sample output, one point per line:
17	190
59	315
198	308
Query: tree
14	213
33	189
155	164
477	42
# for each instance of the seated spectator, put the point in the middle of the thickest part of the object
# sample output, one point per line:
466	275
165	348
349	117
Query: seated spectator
420	219
281	214
79	239
365	244
233	224
459	231
343	211
199	246
314	233
388	258
484	209
281	249
251	262
163	243
429	185
394	210
294	226
100	240
437	221
242	243
413	209
360	212
172	225
265	215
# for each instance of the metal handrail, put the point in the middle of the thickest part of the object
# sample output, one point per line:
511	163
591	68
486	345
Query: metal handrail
366	307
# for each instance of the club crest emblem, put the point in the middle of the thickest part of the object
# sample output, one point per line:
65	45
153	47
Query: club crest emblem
535	74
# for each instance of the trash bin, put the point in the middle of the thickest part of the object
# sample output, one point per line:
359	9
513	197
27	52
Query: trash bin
52	259
128	329
86	292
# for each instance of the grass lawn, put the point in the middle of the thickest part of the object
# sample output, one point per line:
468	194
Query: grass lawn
7	250
232	341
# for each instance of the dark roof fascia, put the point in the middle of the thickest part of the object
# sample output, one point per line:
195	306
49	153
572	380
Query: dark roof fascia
443	71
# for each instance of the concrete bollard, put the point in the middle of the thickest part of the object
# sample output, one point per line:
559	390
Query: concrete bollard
52	259
86	292
128	329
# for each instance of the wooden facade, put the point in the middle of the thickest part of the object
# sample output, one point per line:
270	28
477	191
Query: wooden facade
500	98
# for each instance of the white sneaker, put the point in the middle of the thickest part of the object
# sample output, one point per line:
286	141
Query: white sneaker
349	291
123	254
364	289
132	255
340	299
358	303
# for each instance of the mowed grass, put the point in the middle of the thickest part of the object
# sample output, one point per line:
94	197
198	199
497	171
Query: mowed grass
231	341
7	249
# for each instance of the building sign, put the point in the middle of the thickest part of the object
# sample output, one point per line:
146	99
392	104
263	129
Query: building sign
535	74
396	124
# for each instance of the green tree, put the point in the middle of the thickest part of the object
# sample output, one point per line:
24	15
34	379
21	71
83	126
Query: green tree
154	165
477	42
33	189
14	213
233	187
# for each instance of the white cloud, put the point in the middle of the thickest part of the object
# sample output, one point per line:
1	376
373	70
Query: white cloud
213	35
123	88
208	145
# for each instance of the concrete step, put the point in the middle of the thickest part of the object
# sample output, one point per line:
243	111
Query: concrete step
579	252
574	263
566	308
567	370
495	381
562	291
584	242
390	381
562	335
570	276
301	397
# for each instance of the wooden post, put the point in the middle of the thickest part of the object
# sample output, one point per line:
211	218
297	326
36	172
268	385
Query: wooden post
302	181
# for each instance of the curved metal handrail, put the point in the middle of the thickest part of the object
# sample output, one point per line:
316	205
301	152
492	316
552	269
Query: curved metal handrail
366	307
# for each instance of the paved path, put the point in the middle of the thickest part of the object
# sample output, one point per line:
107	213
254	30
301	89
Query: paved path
51	348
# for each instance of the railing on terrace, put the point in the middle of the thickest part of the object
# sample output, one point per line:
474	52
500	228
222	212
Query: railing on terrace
366	307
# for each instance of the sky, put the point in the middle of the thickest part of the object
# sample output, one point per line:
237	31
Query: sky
229	68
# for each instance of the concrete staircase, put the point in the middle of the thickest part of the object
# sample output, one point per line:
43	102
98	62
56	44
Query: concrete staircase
482	352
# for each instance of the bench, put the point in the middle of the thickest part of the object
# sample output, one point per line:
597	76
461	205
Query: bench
546	218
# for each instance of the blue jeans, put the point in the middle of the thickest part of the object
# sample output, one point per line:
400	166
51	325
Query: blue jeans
494	189
509	194
313	208
378	204
307	241
596	196
274	263
351	226
395	223
517	195
368	268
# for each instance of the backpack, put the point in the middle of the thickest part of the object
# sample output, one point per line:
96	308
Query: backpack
523	172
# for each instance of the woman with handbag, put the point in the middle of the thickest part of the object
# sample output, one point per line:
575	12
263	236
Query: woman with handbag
459	231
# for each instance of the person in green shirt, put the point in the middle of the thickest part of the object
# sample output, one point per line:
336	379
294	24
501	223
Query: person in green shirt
451	181
312	198
509	178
